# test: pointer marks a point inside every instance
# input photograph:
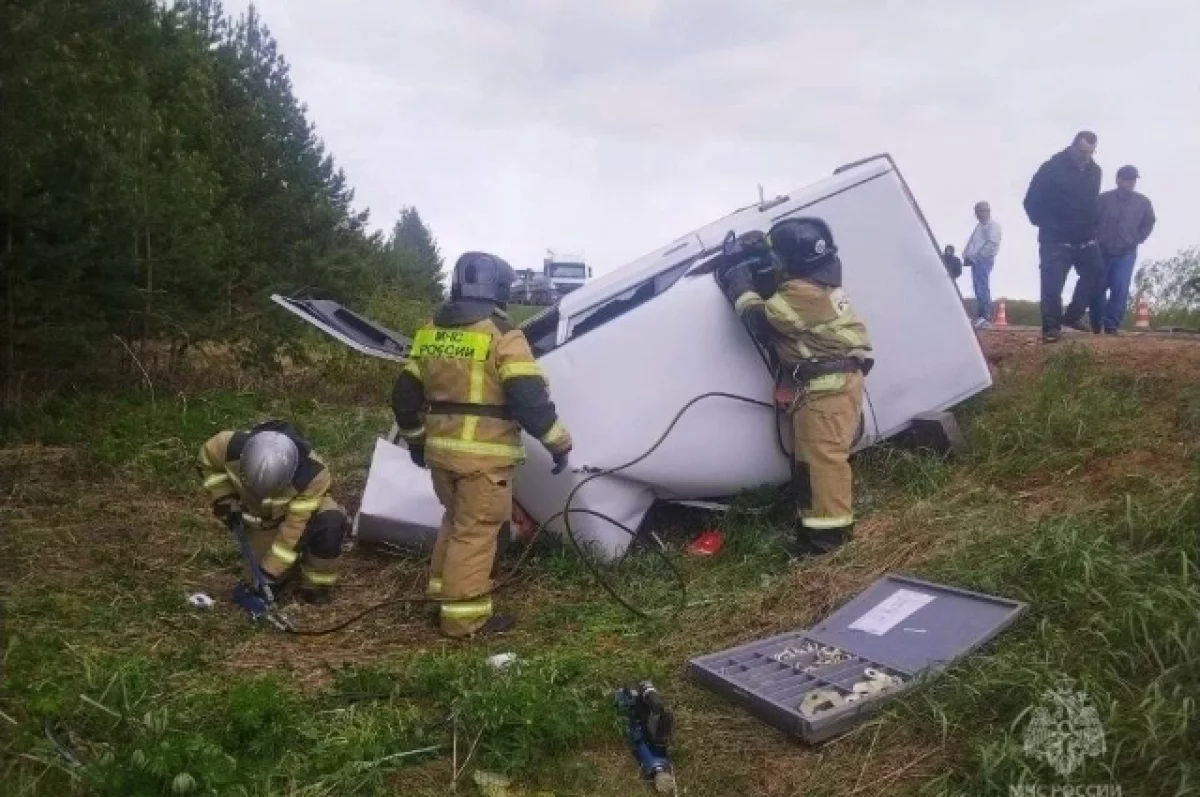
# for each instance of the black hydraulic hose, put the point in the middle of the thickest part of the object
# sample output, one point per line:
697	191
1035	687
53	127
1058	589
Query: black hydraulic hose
512	576
565	514
567	510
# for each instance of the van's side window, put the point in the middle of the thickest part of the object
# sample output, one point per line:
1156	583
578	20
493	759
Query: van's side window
624	302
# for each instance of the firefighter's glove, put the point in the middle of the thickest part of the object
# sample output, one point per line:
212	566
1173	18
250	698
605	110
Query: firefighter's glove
271	581
560	462
417	452
735	280
226	508
738	255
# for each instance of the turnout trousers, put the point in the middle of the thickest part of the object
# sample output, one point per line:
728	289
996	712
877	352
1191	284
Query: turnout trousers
319	549
478	508
824	424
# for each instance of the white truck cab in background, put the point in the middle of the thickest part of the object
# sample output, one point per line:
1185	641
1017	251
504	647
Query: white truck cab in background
566	271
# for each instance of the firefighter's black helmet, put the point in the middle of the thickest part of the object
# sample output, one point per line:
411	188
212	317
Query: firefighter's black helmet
802	244
482	277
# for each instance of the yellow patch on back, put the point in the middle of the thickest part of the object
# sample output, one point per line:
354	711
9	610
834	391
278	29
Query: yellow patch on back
451	344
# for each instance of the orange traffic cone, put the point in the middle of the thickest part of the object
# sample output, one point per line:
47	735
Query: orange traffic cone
1001	315
1142	319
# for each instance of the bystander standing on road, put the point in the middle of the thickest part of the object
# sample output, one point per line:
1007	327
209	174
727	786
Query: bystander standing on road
1126	221
1063	203
980	257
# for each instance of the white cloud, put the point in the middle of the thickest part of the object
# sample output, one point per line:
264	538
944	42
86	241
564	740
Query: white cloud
614	127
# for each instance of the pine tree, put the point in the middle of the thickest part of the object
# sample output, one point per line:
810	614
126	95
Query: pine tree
158	180
415	256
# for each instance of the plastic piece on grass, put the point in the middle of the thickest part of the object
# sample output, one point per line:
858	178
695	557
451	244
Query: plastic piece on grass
492	784
707	544
501	660
201	601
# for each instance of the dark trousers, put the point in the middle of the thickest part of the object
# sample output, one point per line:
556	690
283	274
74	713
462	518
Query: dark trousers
1057	262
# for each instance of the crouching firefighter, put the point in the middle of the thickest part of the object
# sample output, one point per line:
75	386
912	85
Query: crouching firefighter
824	352
469	387
270	476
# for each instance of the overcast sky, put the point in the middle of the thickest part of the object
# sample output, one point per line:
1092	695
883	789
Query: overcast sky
613	127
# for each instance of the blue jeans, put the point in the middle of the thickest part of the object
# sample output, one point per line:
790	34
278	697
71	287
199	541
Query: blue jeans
1112	297
981	277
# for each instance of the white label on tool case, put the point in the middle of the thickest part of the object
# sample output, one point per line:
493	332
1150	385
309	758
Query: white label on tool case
889	613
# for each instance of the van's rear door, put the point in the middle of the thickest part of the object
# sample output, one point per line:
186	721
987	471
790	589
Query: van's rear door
360	334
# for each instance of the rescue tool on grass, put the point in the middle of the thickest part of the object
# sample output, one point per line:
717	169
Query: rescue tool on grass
649	725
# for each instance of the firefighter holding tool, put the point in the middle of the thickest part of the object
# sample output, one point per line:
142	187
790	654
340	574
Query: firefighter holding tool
824	352
269	477
468	389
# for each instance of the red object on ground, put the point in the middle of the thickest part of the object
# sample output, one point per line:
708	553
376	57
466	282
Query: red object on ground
525	527
707	544
1001	315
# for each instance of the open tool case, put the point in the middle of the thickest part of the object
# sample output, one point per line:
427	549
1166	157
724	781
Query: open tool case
816	684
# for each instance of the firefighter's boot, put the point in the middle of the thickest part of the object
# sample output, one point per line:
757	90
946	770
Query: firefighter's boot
496	624
808	542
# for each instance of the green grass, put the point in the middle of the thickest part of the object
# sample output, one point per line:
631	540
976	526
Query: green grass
108	534
156	439
519	313
1079	414
1116	608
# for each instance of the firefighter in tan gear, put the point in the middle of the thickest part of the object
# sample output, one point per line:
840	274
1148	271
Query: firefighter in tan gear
471	384
824	351
270	476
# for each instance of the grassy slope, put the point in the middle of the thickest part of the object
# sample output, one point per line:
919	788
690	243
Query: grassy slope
1078	497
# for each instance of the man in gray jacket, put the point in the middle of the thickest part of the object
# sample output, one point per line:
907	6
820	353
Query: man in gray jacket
980	257
1126	220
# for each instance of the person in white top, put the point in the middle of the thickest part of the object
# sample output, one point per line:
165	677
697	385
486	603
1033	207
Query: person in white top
980	257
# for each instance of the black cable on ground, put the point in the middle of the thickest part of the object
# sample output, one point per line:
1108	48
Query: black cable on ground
567	510
565	514
408	599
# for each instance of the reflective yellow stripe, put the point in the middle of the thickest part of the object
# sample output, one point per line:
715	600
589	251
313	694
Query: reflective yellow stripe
319	578
826	383
557	432
821	523
745	300
843	329
778	308
216	480
305	504
414	434
434	587
475	396
206	459
285	555
511	370
451	344
473	447
467	610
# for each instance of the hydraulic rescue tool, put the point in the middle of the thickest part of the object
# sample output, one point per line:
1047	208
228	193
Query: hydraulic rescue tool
256	599
648	727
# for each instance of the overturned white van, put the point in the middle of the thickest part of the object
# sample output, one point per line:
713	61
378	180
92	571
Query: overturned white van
625	352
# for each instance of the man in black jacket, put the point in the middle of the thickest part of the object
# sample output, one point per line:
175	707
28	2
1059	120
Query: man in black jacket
954	264
1063	203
